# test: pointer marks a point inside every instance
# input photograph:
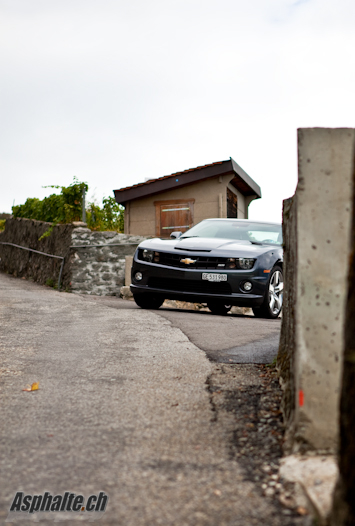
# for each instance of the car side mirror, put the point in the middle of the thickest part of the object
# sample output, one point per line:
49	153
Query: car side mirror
175	235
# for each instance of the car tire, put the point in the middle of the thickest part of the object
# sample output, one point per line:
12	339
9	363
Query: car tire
272	304
148	301
217	307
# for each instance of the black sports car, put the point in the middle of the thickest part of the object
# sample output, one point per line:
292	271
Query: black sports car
221	262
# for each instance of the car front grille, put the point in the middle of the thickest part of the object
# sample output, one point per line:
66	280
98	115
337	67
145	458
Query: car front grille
188	285
201	262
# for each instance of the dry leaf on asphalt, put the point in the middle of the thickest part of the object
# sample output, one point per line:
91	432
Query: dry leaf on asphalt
33	387
302	511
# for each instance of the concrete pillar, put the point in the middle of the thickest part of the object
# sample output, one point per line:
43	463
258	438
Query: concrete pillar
323	219
128	267
286	355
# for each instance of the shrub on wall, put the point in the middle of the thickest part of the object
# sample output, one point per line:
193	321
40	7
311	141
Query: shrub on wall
56	208
109	217
66	207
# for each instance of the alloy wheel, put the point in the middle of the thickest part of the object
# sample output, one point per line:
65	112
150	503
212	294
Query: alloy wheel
276	286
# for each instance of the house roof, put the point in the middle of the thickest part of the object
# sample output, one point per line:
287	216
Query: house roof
241	181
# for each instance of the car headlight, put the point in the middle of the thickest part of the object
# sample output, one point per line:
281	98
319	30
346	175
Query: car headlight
246	263
150	255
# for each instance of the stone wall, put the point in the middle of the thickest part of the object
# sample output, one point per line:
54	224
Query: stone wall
22	263
317	232
91	270
100	271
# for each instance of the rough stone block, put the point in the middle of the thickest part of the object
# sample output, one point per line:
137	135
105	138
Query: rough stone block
316	477
125	293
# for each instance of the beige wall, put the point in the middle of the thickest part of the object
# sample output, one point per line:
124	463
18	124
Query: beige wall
210	201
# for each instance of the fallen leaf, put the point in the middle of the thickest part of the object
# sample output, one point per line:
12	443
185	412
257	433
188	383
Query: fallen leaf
33	387
302	511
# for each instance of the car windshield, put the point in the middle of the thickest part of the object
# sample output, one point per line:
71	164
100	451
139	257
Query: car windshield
254	232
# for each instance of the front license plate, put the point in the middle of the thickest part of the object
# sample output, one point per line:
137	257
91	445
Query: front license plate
214	277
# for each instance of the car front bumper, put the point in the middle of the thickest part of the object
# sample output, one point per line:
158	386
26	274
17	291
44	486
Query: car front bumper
187	285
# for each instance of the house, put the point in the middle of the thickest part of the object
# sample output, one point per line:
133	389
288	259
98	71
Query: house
178	201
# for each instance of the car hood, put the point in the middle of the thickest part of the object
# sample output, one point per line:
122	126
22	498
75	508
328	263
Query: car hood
202	244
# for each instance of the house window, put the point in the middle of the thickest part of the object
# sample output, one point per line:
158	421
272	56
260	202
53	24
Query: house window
173	215
232	204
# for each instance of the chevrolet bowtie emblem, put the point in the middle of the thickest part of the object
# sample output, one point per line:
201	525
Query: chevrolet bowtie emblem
188	261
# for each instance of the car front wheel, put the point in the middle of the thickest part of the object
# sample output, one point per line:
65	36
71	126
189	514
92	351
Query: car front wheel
272	304
148	301
217	307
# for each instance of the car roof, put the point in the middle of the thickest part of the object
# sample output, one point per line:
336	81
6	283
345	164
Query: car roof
241	220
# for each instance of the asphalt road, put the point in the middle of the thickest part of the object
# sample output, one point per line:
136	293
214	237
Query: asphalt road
123	407
225	339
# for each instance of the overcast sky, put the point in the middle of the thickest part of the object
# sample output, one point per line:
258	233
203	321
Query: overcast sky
115	91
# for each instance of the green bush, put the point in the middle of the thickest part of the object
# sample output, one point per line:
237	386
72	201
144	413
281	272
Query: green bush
57	208
109	217
67	207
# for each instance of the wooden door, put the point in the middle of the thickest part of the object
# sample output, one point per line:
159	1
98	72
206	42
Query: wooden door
171	216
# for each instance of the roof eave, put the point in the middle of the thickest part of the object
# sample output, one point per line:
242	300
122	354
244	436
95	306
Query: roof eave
157	186
246	178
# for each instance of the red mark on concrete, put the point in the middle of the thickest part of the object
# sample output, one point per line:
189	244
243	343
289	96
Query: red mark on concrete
301	397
